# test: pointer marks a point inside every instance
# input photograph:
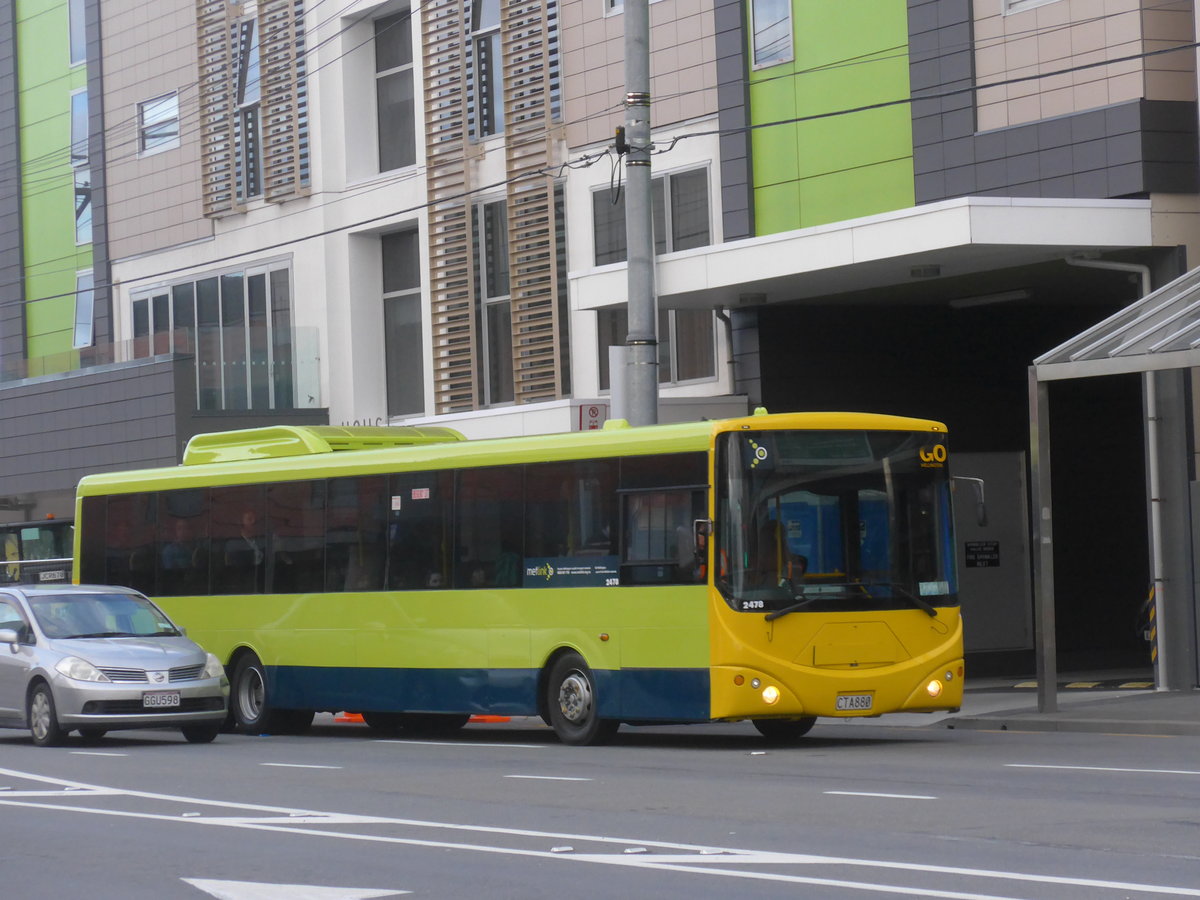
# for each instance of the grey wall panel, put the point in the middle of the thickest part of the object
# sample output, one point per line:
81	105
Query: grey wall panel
732	93
1127	149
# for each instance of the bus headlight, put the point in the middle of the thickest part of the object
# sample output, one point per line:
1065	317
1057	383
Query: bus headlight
934	688
770	695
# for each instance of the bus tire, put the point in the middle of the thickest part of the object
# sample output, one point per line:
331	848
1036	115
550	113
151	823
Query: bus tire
250	703
572	703
384	722
785	730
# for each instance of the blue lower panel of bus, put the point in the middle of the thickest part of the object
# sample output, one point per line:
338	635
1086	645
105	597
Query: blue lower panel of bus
634	695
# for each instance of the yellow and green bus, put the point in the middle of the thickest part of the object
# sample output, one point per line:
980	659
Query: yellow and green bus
771	568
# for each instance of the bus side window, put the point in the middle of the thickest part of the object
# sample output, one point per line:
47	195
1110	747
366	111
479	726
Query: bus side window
183	542
658	537
238	546
131	527
356	534
295	541
488	516
419	531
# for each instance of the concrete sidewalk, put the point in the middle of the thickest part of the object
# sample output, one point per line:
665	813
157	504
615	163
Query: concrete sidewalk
1139	711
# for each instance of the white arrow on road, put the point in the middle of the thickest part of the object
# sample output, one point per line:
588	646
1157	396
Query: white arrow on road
251	890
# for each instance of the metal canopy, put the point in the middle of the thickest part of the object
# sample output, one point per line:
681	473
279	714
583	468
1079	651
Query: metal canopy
1159	331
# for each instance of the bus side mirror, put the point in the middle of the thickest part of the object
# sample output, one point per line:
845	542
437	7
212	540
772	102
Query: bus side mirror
701	529
981	518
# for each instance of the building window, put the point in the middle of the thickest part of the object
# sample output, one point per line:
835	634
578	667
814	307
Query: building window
238	327
494	306
686	343
488	68
402	337
79	128
394	91
249	97
85	311
613	6
1016	6
772	24
158	123
681	224
77	30
83	205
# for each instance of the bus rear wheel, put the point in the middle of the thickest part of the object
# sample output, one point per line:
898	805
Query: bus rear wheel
571	701
785	730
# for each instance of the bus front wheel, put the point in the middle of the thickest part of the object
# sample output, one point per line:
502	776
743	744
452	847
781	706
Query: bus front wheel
785	730
250	703
572	703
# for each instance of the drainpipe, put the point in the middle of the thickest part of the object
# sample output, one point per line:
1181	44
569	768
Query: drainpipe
723	314
1152	473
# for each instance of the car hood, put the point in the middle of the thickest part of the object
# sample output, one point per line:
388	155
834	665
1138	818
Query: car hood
144	653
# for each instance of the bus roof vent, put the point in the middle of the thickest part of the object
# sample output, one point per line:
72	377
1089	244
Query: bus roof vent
294	440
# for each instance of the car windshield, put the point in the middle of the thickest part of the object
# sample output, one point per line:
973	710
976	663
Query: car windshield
824	521
69	615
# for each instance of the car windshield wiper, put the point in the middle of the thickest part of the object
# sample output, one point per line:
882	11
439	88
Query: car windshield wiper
169	633
103	634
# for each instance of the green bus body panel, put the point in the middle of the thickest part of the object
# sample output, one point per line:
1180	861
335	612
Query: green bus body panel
646	627
833	165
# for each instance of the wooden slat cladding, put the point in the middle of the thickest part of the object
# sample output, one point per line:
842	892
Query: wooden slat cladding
284	99
528	33
214	21
445	42
283	108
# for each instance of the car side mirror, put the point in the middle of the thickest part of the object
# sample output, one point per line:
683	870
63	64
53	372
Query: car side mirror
9	636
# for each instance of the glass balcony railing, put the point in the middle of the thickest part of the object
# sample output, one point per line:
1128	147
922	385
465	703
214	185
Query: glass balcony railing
234	368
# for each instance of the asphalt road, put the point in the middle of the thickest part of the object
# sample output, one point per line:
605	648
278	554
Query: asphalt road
504	811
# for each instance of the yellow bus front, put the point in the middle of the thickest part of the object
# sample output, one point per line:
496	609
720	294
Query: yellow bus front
834	590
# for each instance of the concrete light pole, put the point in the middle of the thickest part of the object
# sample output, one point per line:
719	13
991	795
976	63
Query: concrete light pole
641	365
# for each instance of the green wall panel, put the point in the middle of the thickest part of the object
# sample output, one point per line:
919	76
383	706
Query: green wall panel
839	166
46	80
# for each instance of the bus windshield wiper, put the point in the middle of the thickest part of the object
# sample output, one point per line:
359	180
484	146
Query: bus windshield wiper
919	602
780	613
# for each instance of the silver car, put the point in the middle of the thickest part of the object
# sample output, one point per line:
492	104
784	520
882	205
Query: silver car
93	659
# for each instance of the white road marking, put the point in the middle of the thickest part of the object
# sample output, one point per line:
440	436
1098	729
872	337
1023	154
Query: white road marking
95	753
887	796
252	890
459	744
548	777
690	858
297	766
1105	769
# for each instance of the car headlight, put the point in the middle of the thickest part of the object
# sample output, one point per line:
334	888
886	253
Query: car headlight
212	668
79	669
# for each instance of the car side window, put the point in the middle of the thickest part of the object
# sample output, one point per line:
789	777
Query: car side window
10	617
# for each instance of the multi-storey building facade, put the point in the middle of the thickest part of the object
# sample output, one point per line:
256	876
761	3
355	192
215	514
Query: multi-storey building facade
382	213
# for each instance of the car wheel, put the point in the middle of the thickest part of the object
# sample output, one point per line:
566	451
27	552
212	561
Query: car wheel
43	719
572	703
92	734
785	730
201	734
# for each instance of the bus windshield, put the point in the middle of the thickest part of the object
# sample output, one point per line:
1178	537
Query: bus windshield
822	521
